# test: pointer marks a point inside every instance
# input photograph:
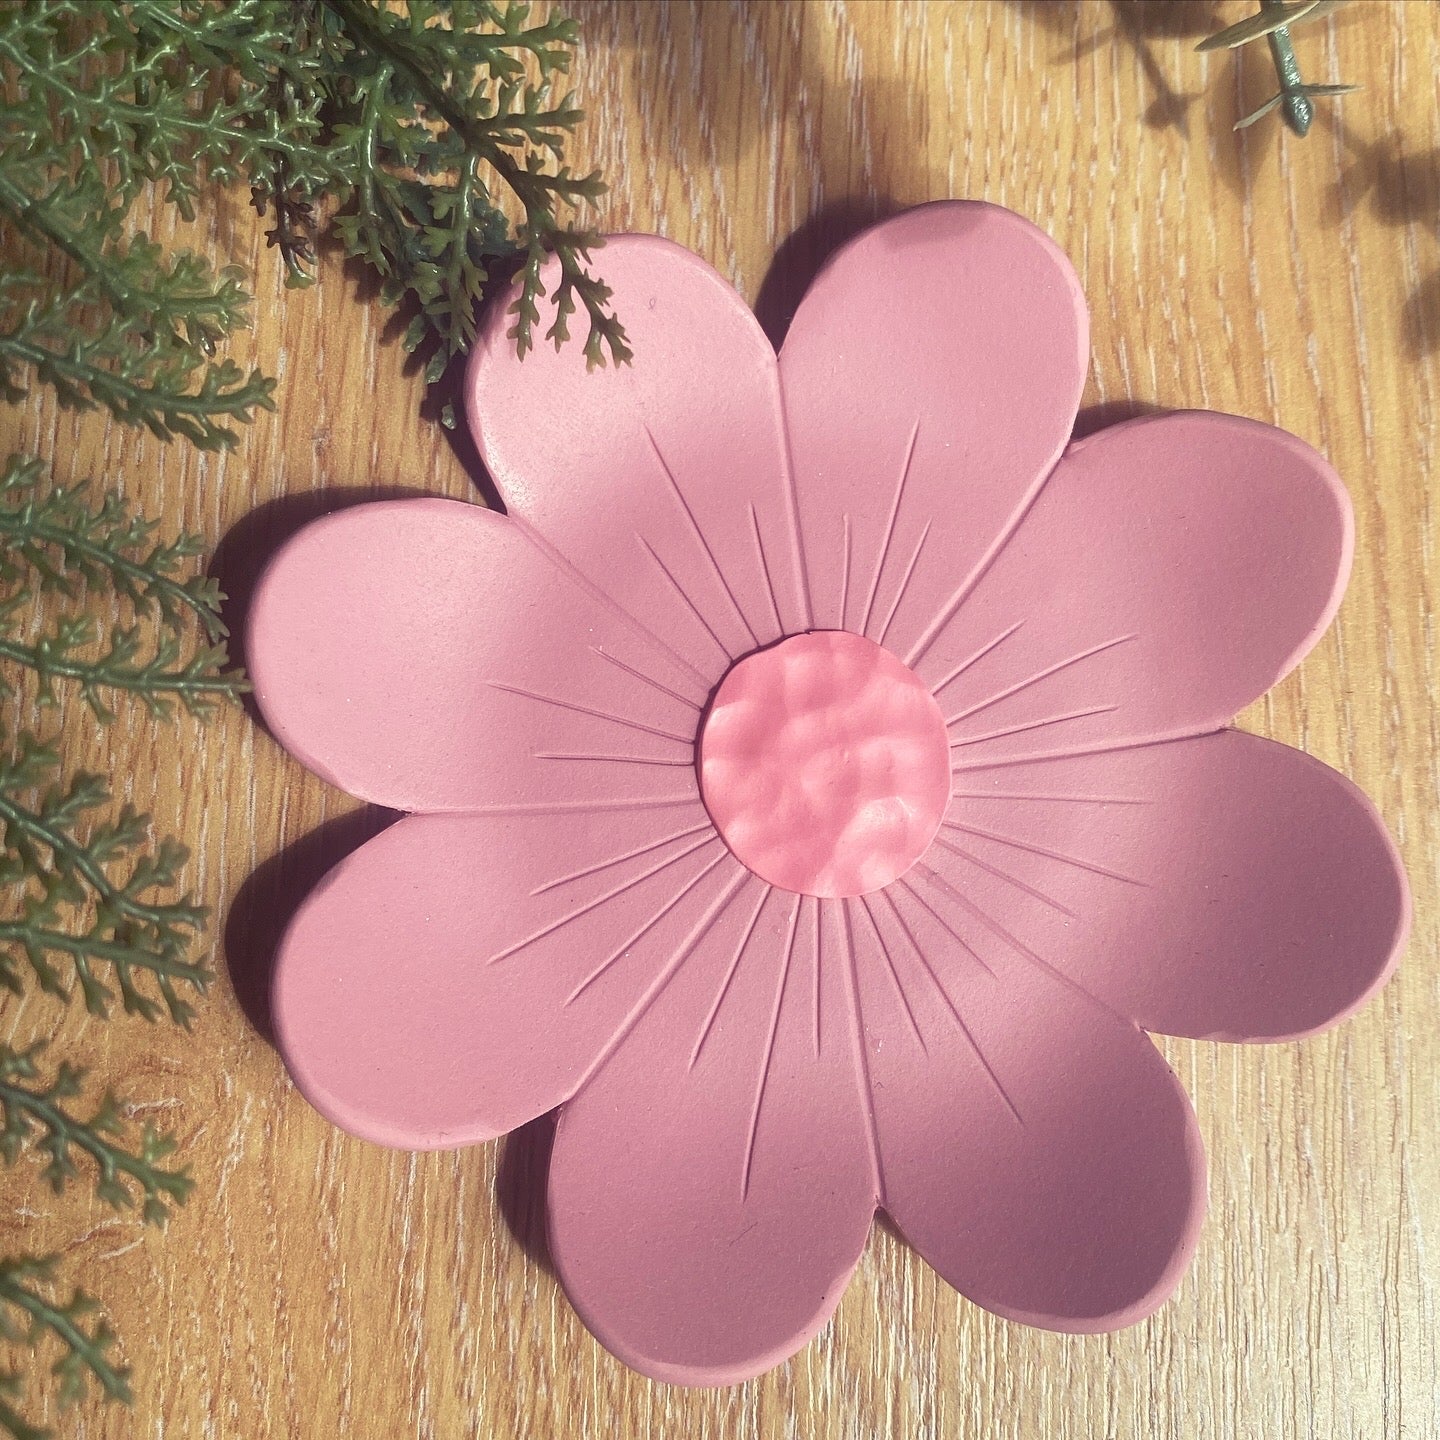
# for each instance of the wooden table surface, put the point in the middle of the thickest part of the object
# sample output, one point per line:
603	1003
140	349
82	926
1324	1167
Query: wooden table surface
318	1286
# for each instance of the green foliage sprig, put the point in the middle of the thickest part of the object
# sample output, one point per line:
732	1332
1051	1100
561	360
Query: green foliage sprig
1273	23
402	133
68	906
405	135
52	542
35	1117
31	1312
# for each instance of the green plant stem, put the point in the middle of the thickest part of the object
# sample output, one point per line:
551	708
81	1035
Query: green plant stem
61	1322
64	1131
140	680
1297	107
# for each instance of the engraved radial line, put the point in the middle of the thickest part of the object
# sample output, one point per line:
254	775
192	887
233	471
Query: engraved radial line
595	714
700	536
607	601
894	973
1033	725
765	892
612	759
944	924
974	659
646	928
1016	945
1037	678
890	526
858	1029
904	582
1005	875
1062	799
595	904
793	500
621	859
845	572
645	679
954	1011
1078	752
769	1051
685	599
707	923
591	807
1007	534
816	909
1059	855
765	570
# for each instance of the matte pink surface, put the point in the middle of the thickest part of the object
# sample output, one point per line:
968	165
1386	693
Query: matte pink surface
745	1073
824	764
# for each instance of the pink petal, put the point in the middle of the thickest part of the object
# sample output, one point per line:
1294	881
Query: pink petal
1172	570
1224	887
425	655
931	379
712	1187
662	482
461	974
1034	1147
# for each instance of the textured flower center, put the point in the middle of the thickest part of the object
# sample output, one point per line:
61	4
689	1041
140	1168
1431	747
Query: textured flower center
824	764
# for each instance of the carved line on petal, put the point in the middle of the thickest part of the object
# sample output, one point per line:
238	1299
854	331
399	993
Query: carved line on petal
957	599
979	655
1059	799
792	495
646	928
954	1012
857	1023
607	601
1033	725
769	1060
1005	875
649	680
894	974
1018	946
593	713
845	572
1078	752
700	536
904	583
945	925
588	807
703	928
765	893
603	899
621	859
685	599
890	526
765	570
1038	677
816	911
1033	849
612	759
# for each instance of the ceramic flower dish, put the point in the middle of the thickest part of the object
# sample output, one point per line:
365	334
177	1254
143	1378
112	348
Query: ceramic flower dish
822	778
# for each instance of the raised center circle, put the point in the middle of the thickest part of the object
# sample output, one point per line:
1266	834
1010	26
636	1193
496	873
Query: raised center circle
824	764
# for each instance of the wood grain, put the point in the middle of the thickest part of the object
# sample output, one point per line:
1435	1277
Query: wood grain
317	1286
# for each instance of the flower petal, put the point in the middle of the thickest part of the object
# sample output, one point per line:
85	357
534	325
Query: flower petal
1034	1147
660	481
460	974
424	655
1172	570
711	1188
1224	887
931	378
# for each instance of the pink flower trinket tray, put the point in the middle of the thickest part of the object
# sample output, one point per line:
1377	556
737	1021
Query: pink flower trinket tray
821	779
